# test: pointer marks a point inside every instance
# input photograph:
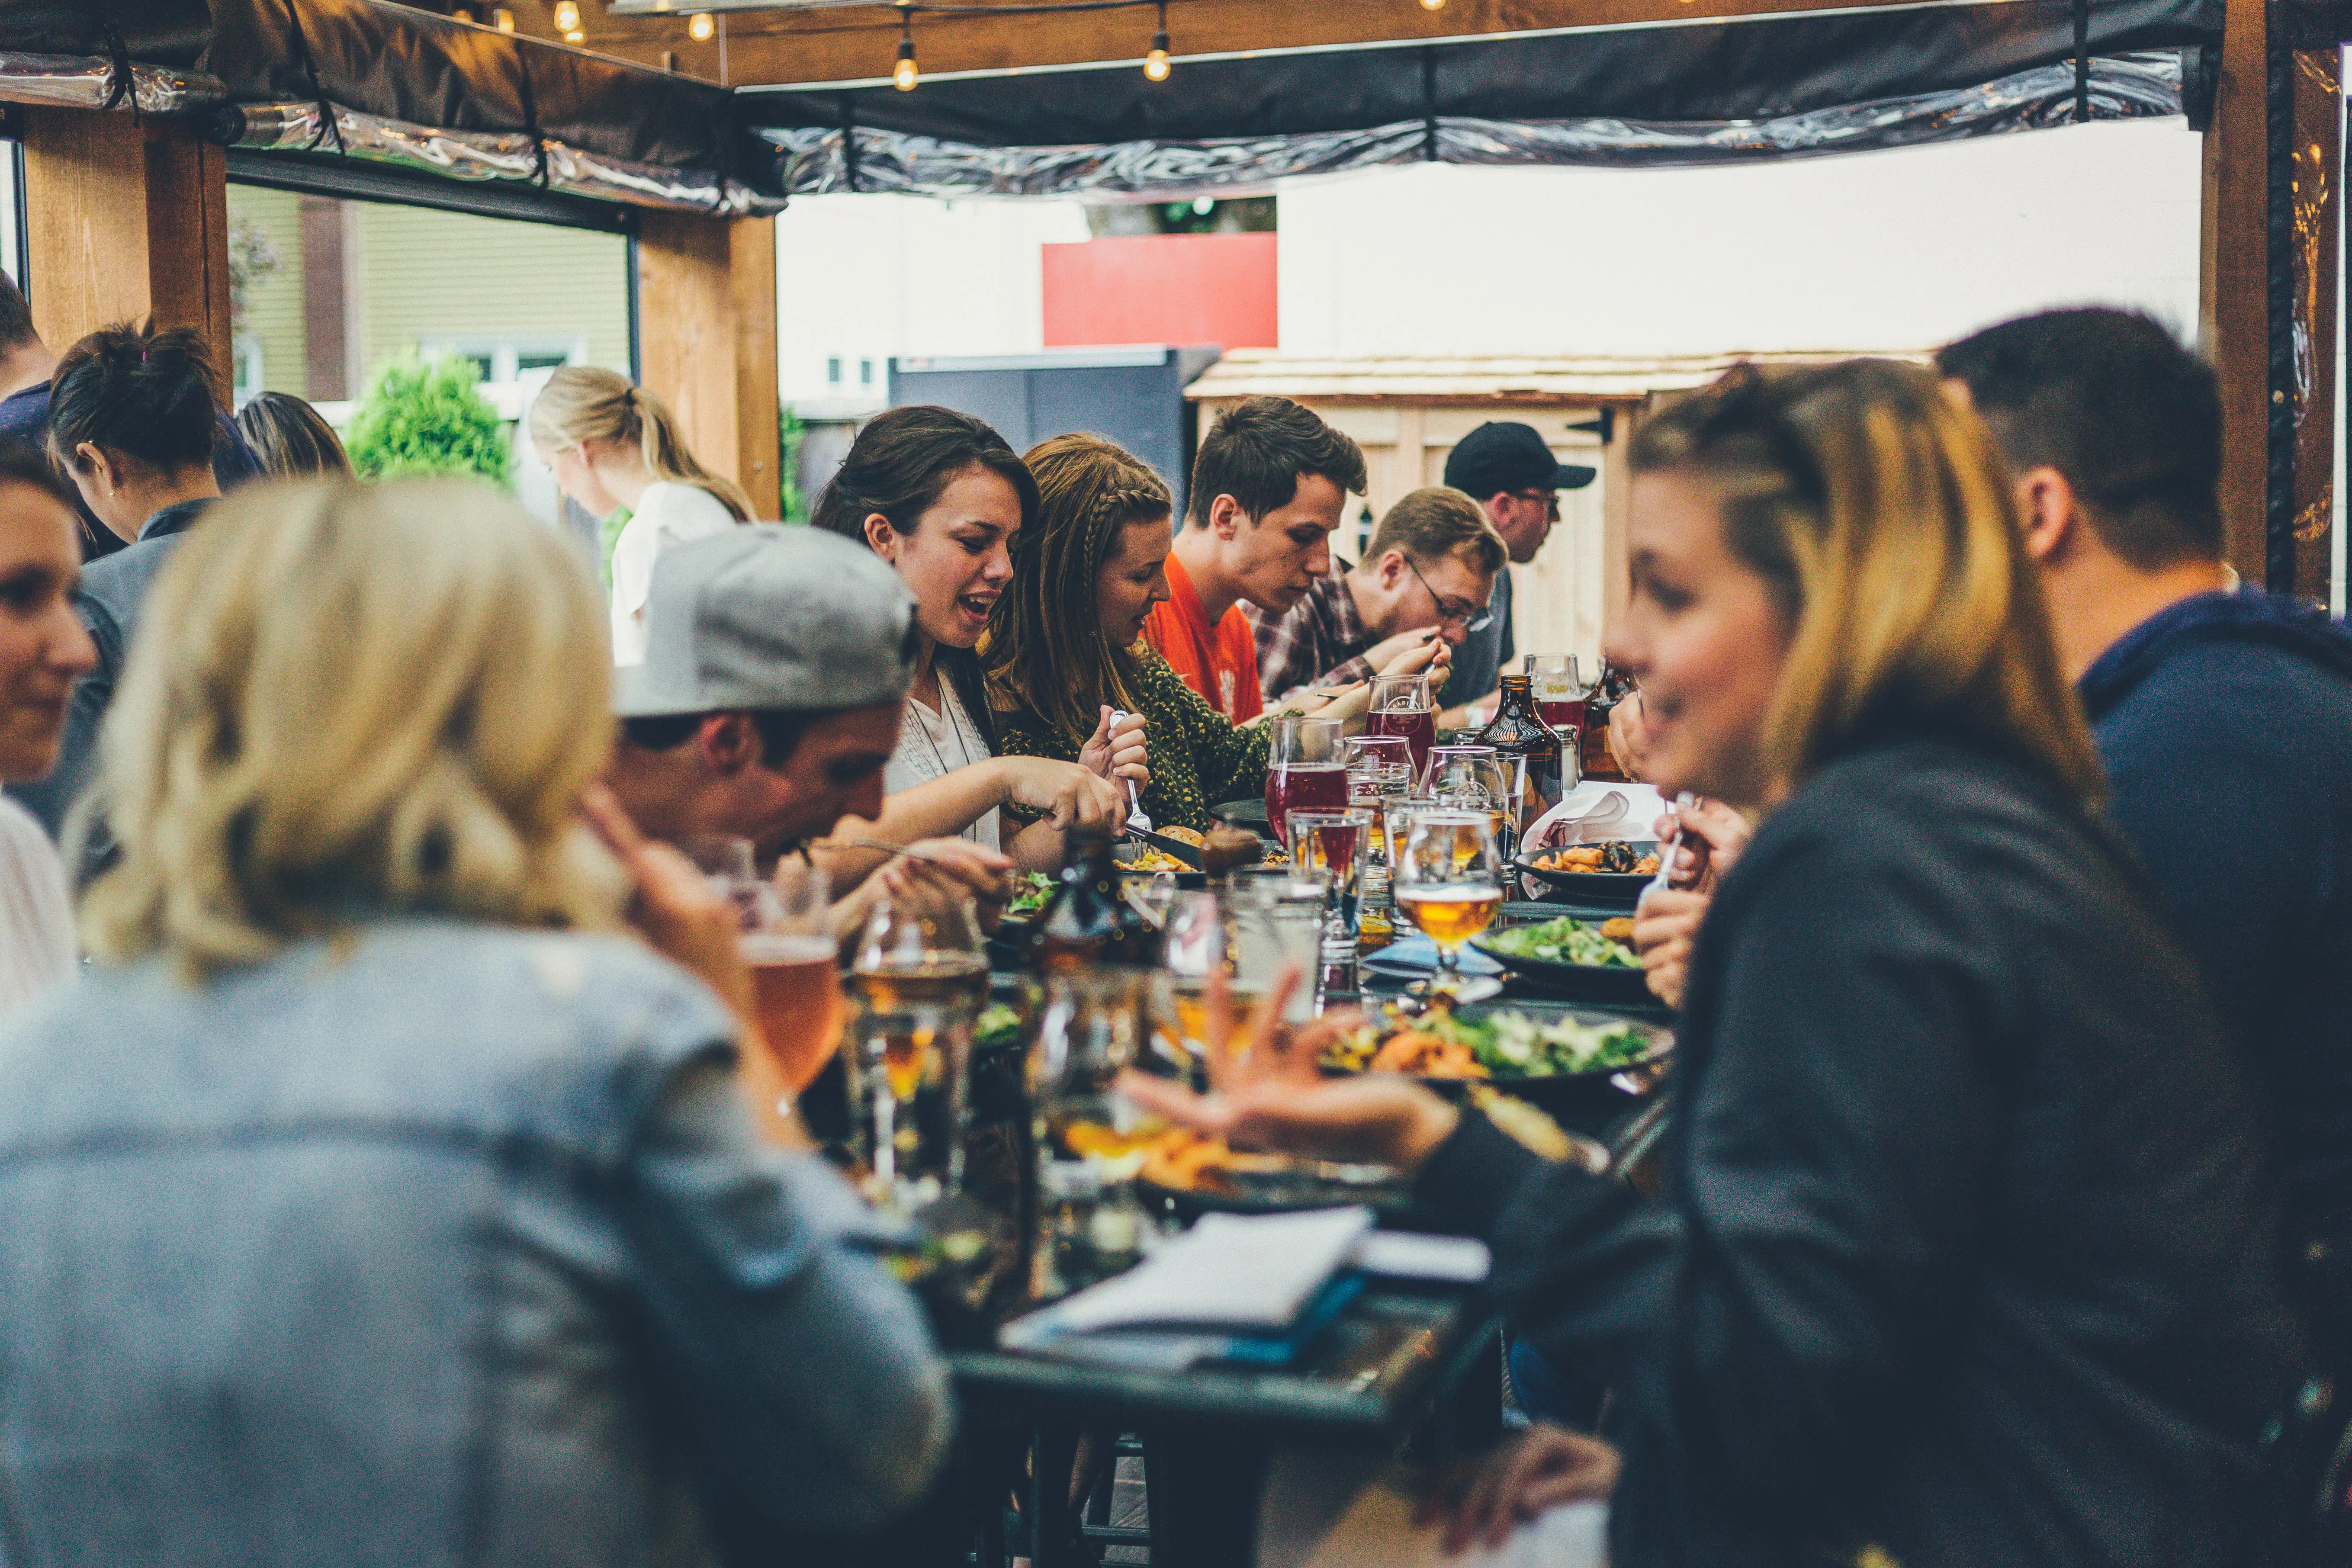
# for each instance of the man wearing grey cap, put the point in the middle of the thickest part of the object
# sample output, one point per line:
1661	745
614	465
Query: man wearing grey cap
777	661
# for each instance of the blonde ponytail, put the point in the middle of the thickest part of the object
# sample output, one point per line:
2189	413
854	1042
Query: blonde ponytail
587	402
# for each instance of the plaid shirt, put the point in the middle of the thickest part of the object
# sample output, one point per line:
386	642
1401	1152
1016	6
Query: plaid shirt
1320	642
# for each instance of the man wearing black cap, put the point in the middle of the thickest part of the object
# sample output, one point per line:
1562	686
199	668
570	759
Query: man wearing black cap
1513	475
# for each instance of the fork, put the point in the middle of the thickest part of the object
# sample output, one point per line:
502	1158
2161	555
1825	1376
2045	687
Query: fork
1136	818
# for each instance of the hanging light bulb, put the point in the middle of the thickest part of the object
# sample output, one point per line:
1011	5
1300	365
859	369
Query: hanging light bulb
1155	64
575	36
505	19
699	27
567	15
904	76
1432	5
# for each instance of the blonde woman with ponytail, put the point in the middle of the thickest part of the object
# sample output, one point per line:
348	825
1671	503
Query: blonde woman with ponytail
612	444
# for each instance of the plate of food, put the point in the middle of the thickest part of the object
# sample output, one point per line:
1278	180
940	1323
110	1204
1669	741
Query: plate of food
1249	814
1611	875
1591	960
1191	1174
1567	1064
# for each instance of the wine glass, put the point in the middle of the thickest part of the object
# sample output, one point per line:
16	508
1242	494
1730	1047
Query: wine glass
921	977
1405	706
1305	770
1475	778
1448	880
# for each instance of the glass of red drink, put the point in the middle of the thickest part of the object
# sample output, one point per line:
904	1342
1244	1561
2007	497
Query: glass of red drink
1305	770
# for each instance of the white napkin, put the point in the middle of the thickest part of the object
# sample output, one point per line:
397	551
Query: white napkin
1598	813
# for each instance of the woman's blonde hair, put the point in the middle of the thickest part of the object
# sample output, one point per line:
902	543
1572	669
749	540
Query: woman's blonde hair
1044	645
587	402
1874	506
353	700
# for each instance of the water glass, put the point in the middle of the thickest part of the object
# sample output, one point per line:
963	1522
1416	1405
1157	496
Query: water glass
921	977
1278	920
1088	1136
1336	843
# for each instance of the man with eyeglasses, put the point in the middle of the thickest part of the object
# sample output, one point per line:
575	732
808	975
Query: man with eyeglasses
1511	471
1421	588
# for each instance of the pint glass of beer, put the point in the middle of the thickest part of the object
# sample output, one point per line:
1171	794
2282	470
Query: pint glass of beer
795	984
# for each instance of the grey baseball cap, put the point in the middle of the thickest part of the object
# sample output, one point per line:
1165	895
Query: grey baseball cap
771	616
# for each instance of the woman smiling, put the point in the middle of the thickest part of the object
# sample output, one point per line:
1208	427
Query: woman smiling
1066	651
942	498
1964	1253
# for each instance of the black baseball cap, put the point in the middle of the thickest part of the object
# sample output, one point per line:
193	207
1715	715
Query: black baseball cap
1500	455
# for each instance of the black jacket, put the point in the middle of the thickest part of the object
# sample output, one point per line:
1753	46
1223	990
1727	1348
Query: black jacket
2225	723
1967	1250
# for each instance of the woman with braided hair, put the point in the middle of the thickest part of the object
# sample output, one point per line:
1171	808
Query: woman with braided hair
612	444
1065	647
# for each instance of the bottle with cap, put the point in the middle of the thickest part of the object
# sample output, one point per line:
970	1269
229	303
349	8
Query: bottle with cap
1086	920
1519	735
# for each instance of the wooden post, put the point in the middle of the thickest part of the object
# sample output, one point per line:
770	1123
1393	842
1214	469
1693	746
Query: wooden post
2316	111
707	336
128	219
2234	278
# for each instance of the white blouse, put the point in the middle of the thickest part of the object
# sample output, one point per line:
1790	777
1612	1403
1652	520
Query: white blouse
666	516
932	744
36	925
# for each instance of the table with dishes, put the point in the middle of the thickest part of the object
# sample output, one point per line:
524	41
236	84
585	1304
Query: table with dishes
1097	1274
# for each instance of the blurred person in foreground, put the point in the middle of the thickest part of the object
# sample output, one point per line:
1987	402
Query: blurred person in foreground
290	439
1421	589
1509	471
1268	484
132	418
44	648
1964	1254
2225	719
768	704
375	1198
942	498
1067	647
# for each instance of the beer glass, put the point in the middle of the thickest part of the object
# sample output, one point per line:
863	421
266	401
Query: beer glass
1448	880
1405	705
795	979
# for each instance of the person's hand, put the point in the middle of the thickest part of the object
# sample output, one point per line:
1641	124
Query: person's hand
1629	735
680	915
1665	929
952	868
1066	794
1713	835
1526	1474
1118	751
685	919
1410	653
1267	1092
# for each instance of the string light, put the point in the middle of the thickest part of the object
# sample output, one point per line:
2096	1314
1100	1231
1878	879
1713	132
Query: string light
567	15
504	18
575	36
1155	64
699	27
904	76
1432	5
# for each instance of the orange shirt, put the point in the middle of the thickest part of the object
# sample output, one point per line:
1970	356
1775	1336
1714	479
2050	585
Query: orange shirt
1219	662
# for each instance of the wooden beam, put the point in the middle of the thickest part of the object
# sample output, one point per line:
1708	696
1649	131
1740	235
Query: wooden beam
2235	281
128	219
707	331
853	43
2314	193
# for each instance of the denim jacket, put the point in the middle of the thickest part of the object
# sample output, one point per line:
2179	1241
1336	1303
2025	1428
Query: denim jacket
441	1243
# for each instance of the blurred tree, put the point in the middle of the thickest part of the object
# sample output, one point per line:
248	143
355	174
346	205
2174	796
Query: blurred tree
789	431
429	417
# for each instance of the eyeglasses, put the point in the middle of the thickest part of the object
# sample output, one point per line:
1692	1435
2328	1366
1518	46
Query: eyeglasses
1470	618
1551	500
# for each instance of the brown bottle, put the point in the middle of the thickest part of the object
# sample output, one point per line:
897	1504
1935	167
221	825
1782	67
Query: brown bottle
1518	731
1088	919
1598	762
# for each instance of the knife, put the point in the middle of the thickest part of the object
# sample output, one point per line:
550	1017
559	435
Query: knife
1189	854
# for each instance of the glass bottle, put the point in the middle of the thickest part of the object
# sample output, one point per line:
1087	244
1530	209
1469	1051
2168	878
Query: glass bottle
1087	921
1597	762
1521	737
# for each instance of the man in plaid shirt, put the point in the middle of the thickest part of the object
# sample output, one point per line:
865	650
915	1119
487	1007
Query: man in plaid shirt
1421	588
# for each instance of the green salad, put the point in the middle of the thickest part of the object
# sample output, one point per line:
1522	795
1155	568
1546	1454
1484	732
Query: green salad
1505	1043
998	1024
1562	941
1029	894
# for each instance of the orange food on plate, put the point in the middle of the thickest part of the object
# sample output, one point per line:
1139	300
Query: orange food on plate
1425	1056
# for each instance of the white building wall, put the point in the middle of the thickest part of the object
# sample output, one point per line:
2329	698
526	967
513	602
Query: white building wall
1897	249
862	277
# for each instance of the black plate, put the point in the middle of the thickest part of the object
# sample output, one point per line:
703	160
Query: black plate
1584	1103
1249	814
1609	984
1282	1194
1610	889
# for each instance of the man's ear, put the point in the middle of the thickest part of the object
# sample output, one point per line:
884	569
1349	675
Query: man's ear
1389	568
1227	517
728	743
2049	513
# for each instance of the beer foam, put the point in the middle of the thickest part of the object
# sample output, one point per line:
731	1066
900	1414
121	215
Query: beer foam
785	947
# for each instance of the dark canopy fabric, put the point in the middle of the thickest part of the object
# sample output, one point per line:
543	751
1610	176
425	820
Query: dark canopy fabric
1756	68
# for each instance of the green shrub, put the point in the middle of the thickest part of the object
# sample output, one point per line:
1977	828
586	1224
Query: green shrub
431	418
